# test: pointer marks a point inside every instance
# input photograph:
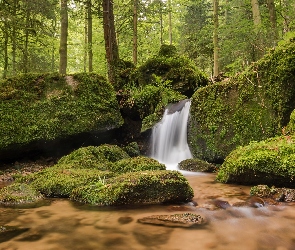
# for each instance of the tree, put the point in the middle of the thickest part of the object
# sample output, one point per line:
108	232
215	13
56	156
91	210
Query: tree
135	31
111	47
215	39
63	37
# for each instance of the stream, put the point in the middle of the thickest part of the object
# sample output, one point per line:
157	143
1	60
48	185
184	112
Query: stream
62	224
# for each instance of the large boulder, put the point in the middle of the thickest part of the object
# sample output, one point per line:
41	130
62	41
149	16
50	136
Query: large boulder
270	162
143	187
52	112
252	106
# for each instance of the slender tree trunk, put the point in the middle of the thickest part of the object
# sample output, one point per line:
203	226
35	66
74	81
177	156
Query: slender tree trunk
85	40
135	32
27	26
215	39
13	36
63	37
256	14
170	21
5	66
111	47
53	23
90	52
273	18
161	24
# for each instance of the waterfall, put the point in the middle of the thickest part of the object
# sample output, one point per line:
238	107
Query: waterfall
169	136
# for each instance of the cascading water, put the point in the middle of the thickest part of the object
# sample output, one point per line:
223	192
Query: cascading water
169	136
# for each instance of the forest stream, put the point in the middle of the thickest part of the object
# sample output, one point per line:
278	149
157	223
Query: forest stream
62	224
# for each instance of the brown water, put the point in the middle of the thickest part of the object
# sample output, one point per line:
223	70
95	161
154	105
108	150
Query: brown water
64	225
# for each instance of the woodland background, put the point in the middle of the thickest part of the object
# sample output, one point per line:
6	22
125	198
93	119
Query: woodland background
84	36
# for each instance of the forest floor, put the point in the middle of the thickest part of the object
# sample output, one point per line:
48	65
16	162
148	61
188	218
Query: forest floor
9	170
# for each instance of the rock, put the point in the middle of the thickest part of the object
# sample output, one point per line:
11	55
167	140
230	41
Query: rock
253	106
9	232
176	220
196	165
221	204
268	162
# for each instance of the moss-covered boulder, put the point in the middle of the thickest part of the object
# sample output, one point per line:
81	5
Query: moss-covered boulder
144	187
179	70
94	157
135	164
270	162
60	180
38	109
19	193
132	149
196	165
252	106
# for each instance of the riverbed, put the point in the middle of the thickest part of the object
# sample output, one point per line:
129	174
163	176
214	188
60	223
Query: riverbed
59	224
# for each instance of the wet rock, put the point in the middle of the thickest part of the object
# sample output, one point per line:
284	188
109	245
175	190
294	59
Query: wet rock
8	232
256	202
221	204
125	220
196	165
277	194
175	220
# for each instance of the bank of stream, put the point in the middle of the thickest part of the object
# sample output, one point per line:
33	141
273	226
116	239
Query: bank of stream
62	224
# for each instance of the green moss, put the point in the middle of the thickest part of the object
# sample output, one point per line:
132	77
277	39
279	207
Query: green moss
60	180
92	157
19	193
143	187
49	106
139	163
196	165
132	149
179	70
270	162
252	106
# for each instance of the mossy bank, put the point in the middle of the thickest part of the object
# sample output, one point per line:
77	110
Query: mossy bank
252	106
36	110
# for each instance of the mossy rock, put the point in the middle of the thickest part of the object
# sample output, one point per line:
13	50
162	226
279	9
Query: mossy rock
252	106
19	193
180	71
135	164
94	157
144	187
278	194
132	149
61	179
46	107
196	165
269	162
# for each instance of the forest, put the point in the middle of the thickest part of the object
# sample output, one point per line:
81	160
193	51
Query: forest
68	36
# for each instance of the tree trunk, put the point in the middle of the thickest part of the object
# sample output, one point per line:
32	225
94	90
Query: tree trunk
90	53
135	32
5	66
13	37
273	18
85	40
256	14
111	47
170	21
63	37
27	27
215	39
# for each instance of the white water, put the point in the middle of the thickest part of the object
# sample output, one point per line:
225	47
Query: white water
169	136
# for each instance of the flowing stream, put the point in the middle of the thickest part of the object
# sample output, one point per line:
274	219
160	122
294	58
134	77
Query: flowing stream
169	136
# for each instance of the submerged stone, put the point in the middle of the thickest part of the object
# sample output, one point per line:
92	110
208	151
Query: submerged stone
176	220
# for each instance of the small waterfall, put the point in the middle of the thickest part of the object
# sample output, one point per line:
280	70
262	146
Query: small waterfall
169	136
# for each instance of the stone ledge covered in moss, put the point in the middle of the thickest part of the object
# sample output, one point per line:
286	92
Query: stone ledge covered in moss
50	106
196	165
106	175
270	162
252	106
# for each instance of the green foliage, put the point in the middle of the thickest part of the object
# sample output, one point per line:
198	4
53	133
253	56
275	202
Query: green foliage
135	164
167	50
180	71
18	193
253	106
50	106
266	162
143	187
